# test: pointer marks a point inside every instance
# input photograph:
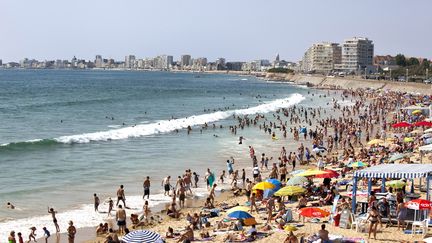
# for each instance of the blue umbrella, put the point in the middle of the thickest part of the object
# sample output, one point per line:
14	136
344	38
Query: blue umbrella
141	236
240	215
275	182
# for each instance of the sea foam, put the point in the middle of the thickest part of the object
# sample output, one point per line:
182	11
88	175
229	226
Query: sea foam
165	126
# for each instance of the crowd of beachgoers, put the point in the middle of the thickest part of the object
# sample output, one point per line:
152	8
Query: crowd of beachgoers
298	194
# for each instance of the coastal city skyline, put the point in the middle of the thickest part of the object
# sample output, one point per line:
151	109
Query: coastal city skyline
250	30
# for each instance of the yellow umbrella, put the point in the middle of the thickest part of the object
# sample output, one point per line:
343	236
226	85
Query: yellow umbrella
407	140
417	112
390	140
238	208
290	190
375	141
264	185
290	228
311	172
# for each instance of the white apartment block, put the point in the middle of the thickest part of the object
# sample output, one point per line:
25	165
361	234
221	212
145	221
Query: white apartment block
357	54
321	57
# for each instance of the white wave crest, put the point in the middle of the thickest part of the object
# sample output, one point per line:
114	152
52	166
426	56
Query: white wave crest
171	125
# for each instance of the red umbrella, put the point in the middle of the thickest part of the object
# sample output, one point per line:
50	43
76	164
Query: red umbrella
401	124
423	124
419	204
314	212
328	174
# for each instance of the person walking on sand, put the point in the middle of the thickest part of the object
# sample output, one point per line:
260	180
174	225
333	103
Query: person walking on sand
71	231
121	219
253	203
96	202
32	234
166	185
53	214
146	186
212	194
121	196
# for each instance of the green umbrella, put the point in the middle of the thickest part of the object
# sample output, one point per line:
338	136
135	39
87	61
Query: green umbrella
395	157
396	184
297	180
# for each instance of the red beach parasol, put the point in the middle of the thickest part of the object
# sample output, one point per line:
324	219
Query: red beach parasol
423	124
401	124
328	174
313	212
419	204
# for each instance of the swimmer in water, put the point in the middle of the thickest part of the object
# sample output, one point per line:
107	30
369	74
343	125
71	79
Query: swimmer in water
10	205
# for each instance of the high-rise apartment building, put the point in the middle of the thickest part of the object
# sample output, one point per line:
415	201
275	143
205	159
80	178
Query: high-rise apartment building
357	54
98	61
130	61
185	60
321	57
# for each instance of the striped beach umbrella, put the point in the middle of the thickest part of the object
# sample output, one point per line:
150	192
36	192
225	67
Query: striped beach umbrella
238	208
142	236
290	190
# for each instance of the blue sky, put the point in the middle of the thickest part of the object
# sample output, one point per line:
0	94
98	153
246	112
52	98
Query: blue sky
234	29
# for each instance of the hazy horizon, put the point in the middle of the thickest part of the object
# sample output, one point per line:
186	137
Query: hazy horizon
236	30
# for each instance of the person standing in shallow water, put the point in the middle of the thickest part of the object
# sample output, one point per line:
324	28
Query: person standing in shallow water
121	196
53	214
96	202
71	231
146	186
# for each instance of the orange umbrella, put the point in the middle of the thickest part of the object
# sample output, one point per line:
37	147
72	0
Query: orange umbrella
328	174
314	212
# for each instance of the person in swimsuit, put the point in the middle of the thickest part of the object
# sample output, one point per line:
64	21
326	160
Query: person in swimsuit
373	218
53	214
46	234
166	185
32	234
11	238
146	186
121	219
121	196
110	206
71	231
291	238
96	202
401	213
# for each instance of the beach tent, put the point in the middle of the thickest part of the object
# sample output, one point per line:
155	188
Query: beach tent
399	171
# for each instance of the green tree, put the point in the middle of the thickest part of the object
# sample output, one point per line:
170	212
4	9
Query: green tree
412	61
425	63
400	60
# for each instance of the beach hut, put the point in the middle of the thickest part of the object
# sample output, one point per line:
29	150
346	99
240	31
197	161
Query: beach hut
400	171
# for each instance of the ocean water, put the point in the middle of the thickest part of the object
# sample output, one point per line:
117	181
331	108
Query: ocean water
66	134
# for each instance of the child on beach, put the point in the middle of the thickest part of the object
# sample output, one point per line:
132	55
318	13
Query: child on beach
32	234
46	234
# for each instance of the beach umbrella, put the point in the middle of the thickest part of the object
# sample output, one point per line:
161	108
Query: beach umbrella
416	132
408	140
319	149
391	140
264	185
295	172
396	157
396	184
375	142
416	112
311	172
314	212
418	204
328	174
140	236
290	190
297	180
426	135
428	130
423	124
238	208
401	124
240	215
290	228
357	164
275	182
